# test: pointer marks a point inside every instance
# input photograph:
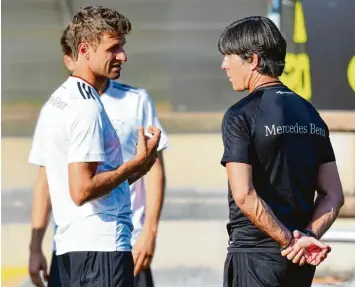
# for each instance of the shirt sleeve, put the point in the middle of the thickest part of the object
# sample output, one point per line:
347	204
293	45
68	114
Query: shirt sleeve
236	140
37	151
85	132
150	117
326	150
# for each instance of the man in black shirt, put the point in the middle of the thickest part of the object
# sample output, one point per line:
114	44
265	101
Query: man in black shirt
277	153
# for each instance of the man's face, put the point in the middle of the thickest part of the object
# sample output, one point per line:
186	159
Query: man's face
237	70
107	58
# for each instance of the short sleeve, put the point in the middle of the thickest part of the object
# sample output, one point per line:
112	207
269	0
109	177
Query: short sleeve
326	150
37	153
150	117
236	140
85	132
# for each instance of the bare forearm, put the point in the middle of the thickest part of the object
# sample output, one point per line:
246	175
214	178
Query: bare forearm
330	198
41	210
325	213
154	195
103	183
133	178
37	235
261	215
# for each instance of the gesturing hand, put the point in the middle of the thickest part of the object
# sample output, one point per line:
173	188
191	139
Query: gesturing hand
147	147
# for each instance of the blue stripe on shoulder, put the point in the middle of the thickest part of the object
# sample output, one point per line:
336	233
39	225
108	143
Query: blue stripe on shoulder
125	88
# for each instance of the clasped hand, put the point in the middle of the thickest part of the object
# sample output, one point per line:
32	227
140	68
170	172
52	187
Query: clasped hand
305	249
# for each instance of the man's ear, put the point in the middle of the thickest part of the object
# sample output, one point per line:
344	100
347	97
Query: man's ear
84	50
254	62
69	63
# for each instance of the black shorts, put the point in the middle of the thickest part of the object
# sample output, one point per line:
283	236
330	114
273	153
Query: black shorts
254	269
99	269
144	279
53	278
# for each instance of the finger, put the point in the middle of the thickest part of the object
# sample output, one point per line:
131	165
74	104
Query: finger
147	138
312	253
286	251
34	274
293	253
302	261
296	234
325	252
156	134
45	271
319	244
298	257
141	135
310	261
322	256
147	261
36	279
317	261
312	258
135	257
138	265
156	139
153	130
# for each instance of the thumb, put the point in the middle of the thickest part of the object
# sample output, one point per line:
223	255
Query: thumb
296	234
45	272
140	135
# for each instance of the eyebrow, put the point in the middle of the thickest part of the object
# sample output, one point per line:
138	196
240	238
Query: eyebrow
117	44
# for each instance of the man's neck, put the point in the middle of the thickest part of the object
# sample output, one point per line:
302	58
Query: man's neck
99	83
262	81
102	86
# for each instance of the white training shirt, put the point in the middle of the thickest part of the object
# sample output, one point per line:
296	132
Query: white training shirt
128	108
74	127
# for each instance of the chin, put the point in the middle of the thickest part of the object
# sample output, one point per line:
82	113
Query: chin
114	76
238	89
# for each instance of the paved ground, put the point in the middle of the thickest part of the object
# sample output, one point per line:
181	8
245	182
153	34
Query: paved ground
191	245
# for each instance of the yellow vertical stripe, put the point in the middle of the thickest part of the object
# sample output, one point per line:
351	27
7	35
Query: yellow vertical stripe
299	32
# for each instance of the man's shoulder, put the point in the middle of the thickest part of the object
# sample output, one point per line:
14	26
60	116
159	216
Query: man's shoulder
70	96
74	90
306	105
245	107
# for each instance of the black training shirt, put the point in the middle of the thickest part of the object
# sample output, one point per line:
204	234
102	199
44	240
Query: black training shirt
284	139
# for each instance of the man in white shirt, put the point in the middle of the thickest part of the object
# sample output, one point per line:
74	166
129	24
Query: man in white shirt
81	159
128	108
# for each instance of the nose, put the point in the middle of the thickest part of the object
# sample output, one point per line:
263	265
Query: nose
121	56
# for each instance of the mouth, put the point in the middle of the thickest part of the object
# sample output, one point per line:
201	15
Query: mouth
116	67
